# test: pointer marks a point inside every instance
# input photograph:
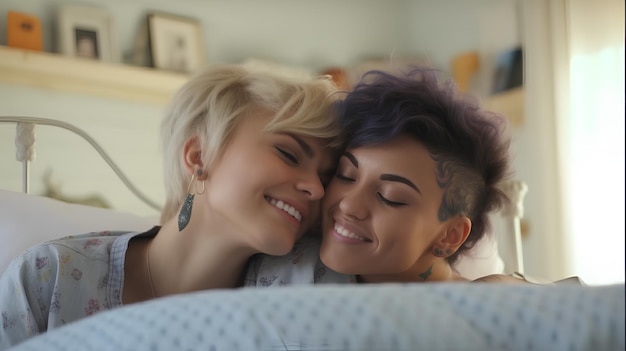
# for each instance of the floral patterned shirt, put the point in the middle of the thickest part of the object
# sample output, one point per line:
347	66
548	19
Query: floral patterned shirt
67	279
61	281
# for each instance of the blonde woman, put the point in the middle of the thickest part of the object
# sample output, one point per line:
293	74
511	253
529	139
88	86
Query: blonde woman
246	155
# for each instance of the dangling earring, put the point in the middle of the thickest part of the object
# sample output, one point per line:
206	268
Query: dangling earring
185	212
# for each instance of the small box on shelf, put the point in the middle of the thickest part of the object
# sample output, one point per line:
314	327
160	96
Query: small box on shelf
24	31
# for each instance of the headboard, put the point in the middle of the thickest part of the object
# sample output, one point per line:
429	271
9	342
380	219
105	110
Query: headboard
25	150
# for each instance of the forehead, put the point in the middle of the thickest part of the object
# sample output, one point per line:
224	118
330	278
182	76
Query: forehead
403	156
327	156
402	152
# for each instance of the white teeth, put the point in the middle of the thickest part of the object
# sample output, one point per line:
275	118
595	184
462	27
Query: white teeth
348	234
287	208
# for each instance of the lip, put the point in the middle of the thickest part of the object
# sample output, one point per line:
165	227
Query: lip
295	204
352	228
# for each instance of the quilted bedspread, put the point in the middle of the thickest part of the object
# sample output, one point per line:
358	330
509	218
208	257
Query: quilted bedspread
444	316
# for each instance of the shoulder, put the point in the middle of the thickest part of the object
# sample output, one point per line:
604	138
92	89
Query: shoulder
55	282
501	278
522	278
45	260
90	244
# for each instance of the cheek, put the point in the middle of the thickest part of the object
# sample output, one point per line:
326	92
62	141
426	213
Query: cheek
313	221
332	194
314	211
399	237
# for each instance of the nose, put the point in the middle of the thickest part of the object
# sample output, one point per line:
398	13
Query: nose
312	186
352	202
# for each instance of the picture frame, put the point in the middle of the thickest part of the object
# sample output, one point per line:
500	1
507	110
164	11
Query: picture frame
509	70
175	42
87	32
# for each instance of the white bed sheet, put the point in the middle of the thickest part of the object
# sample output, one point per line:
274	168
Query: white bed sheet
446	316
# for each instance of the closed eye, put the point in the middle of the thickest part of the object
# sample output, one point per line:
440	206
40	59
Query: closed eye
287	156
389	202
343	177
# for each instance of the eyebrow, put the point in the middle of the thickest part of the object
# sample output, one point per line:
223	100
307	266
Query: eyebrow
386	176
303	144
397	178
352	159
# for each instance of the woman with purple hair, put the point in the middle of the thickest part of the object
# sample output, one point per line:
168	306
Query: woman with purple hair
413	189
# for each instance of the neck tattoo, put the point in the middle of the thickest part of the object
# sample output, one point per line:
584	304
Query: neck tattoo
427	273
149	272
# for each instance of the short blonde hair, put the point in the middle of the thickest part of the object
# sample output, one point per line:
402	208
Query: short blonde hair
209	106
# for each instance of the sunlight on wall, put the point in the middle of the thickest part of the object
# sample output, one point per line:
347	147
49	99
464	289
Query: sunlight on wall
596	165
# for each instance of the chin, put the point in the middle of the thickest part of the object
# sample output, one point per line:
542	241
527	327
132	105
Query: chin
279	247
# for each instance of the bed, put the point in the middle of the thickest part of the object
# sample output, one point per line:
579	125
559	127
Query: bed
438	316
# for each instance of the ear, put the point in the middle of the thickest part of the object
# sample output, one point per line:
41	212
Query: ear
456	232
192	157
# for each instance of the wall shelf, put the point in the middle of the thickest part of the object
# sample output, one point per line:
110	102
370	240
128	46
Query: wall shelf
83	76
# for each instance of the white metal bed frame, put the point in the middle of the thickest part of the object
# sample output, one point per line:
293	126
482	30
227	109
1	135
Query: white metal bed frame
510	246
25	150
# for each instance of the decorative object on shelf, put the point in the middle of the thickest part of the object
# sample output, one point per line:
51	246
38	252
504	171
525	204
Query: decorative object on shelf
176	42
24	31
140	54
339	76
86	31
463	68
509	70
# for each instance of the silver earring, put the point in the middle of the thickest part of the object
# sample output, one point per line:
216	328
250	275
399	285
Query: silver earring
437	252
184	216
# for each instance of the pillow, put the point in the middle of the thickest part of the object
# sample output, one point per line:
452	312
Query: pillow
483	259
27	220
447	316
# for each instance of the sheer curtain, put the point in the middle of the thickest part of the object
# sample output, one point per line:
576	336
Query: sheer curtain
593	143
584	47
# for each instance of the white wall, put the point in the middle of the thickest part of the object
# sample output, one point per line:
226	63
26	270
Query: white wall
127	131
442	29
310	34
302	33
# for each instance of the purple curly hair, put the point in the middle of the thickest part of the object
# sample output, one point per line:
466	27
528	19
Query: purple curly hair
468	144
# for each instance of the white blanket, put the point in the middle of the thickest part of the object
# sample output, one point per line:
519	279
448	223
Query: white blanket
450	316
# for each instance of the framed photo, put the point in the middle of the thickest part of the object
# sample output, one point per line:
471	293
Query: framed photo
86	31
176	42
509	70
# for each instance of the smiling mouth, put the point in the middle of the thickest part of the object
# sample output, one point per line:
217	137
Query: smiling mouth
348	234
290	210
